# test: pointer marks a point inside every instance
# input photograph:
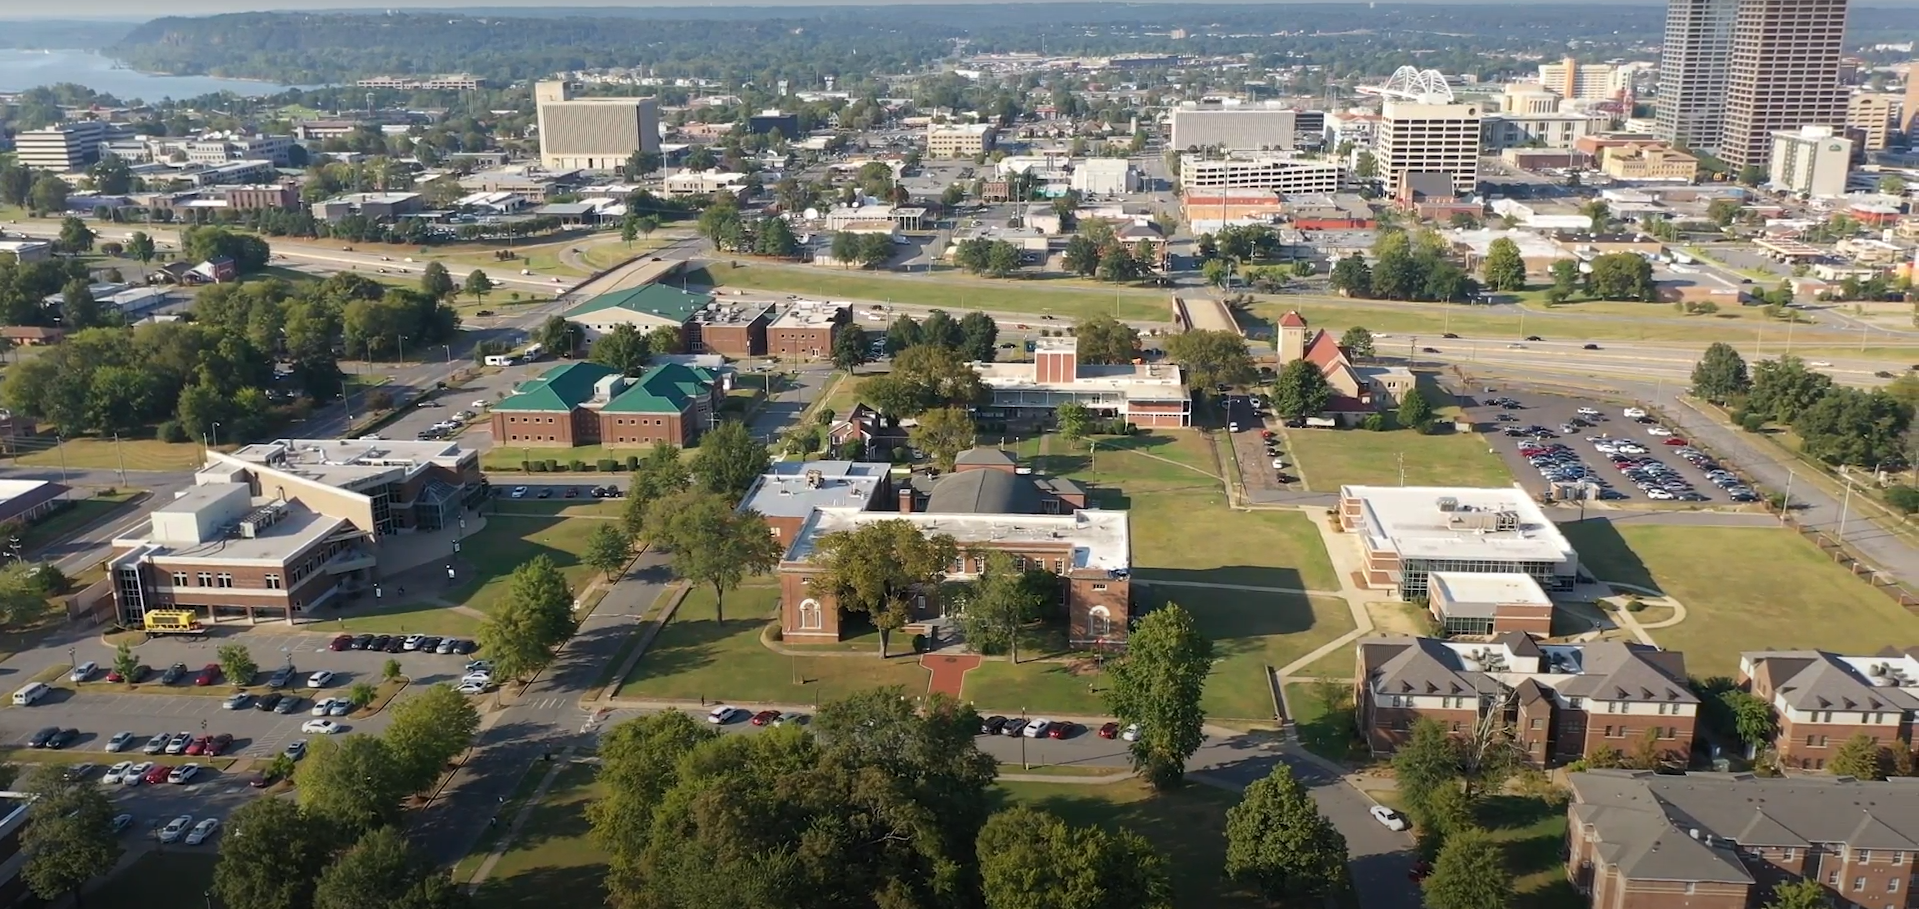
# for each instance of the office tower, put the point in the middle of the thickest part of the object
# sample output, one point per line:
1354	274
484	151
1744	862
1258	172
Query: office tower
1582	81
1909	112
63	147
1246	128
593	133
1784	74
1429	135
1810	161
1692	72
1871	114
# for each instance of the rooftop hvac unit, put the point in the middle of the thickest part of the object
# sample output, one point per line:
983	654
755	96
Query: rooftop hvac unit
815	479
1448	503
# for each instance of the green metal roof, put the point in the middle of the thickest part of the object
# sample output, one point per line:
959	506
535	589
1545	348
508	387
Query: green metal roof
658	300
667	388
561	388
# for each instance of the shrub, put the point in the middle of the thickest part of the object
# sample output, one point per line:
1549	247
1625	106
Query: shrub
609	465
902	455
379	399
1752	422
576	465
526	466
172	431
919	643
632	463
1903	497
852	450
824	417
1374	422
361	694
1635	604
553	465
539	467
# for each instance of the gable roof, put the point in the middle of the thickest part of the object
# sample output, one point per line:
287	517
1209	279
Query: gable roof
657	300
560	389
1817	680
1618	671
1292	319
667	388
984	457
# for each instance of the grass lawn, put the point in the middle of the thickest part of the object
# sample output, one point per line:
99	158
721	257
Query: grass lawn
106	454
511	539
70	520
401	618
553	861
1747	588
845	394
1660	323
696	656
171	880
1039	686
1323	732
1187	826
1533	833
1251	631
1329	459
948	290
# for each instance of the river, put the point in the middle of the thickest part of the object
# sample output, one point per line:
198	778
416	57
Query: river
23	69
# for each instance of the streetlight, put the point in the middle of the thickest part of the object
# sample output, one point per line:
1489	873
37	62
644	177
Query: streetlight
73	662
449	353
216	434
1022	741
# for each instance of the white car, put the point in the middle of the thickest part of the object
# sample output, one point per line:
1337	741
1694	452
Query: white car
723	714
184	773
1589	411
1819	364
321	727
1387	817
471	688
412	642
479	404
519	492
322	707
175	828
120	741
83	672
137	773
1036	729
320	679
1658	431
1634	413
203	831
1660	494
1278	464
117	773
1130	733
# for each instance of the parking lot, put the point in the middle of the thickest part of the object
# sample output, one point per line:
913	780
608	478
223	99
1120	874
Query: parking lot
1547	438
436	408
1263	462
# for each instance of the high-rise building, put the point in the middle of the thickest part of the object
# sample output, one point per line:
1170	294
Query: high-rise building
593	133
1809	161
1430	135
1692	72
1784	74
1870	115
1909	113
62	147
1245	128
1581	81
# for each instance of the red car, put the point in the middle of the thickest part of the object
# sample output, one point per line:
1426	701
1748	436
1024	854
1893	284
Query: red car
342	642
218	745
157	775
1675	440
1265	433
765	717
209	674
199	745
1109	731
139	672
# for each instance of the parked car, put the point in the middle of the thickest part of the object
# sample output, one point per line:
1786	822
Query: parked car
203	831
117	773
176	828
1387	817
137	774
992	725
765	717
342	642
139	675
120	741
1064	729
296	750
41	738
156	774
158	743
218	745
183	774
1014	726
320	679
121	822
236	701
1130	733
174	674
268	701
209	674
288	705
320	727
179	742
83	672
723	714
281	677
1109	731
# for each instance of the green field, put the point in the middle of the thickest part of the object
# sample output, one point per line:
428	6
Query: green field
106	454
696	656
72	519
554	860
510	540
1330	458
1745	588
1429	320
1187	826
948	290
1327	734
1251	631
375	617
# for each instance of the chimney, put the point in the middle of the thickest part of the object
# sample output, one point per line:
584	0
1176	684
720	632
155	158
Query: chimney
906	500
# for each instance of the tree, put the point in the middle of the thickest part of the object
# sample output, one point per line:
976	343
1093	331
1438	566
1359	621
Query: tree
479	285
391	670
729	460
1804	893
78	308
537	615
1301	390
925	377
1752	175
714	543
978	335
75	236
271	855
1358	343
1783	389
50	196
1104	340
1415	412
1504	269
1858	757
436	282
608	549
1470	873
661	341
1723	211
639	761
940	329
660	474
1352	277
125	661
943	433
237	663
1425	764
1279	843
1849	426
354	781
1081	256
1074	421
850	347
70	840
623	348
378	871
902	334
1598	215
140	247
1002	601
1030	859
877	568
1720	374
1157	685
429	730
1622	276
1212	358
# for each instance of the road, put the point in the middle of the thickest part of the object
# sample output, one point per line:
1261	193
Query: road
1663	362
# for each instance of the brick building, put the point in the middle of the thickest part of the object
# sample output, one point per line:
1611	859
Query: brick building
1821	699
277	529
983	504
646	307
1725	841
1559	701
583	403
1406	533
277	196
1144	394
1483	604
734	329
807	331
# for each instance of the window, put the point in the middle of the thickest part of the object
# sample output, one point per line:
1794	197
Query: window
1858	883
1019	563
226	580
810	617
1608	732
1612	706
1533	723
205	579
1097	588
1575	703
1822	741
1865	856
1455	728
1099	622
1059	566
273	582
1789	853
179	579
1832	880
1898	858
1892	885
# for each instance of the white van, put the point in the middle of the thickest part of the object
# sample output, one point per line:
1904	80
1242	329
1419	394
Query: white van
28	695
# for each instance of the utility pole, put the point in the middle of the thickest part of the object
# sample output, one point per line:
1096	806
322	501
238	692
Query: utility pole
118	453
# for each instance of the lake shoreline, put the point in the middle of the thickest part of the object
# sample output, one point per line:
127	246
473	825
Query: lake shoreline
24	69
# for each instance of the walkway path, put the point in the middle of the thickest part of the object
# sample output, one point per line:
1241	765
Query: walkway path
949	672
505	843
1359	600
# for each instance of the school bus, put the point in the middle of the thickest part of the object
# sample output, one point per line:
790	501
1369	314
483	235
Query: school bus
172	621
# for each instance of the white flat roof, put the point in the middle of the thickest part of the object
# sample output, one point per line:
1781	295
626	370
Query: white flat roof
13	489
1101	540
1491	589
298	529
341	462
1408	520
809	314
785	492
1146	381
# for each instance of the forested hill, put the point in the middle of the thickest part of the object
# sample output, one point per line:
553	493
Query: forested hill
308	48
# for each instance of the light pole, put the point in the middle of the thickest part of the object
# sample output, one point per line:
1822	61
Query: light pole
449	353
216	434
73	662
1022	741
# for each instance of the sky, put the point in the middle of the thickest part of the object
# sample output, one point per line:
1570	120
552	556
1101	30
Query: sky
143	10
